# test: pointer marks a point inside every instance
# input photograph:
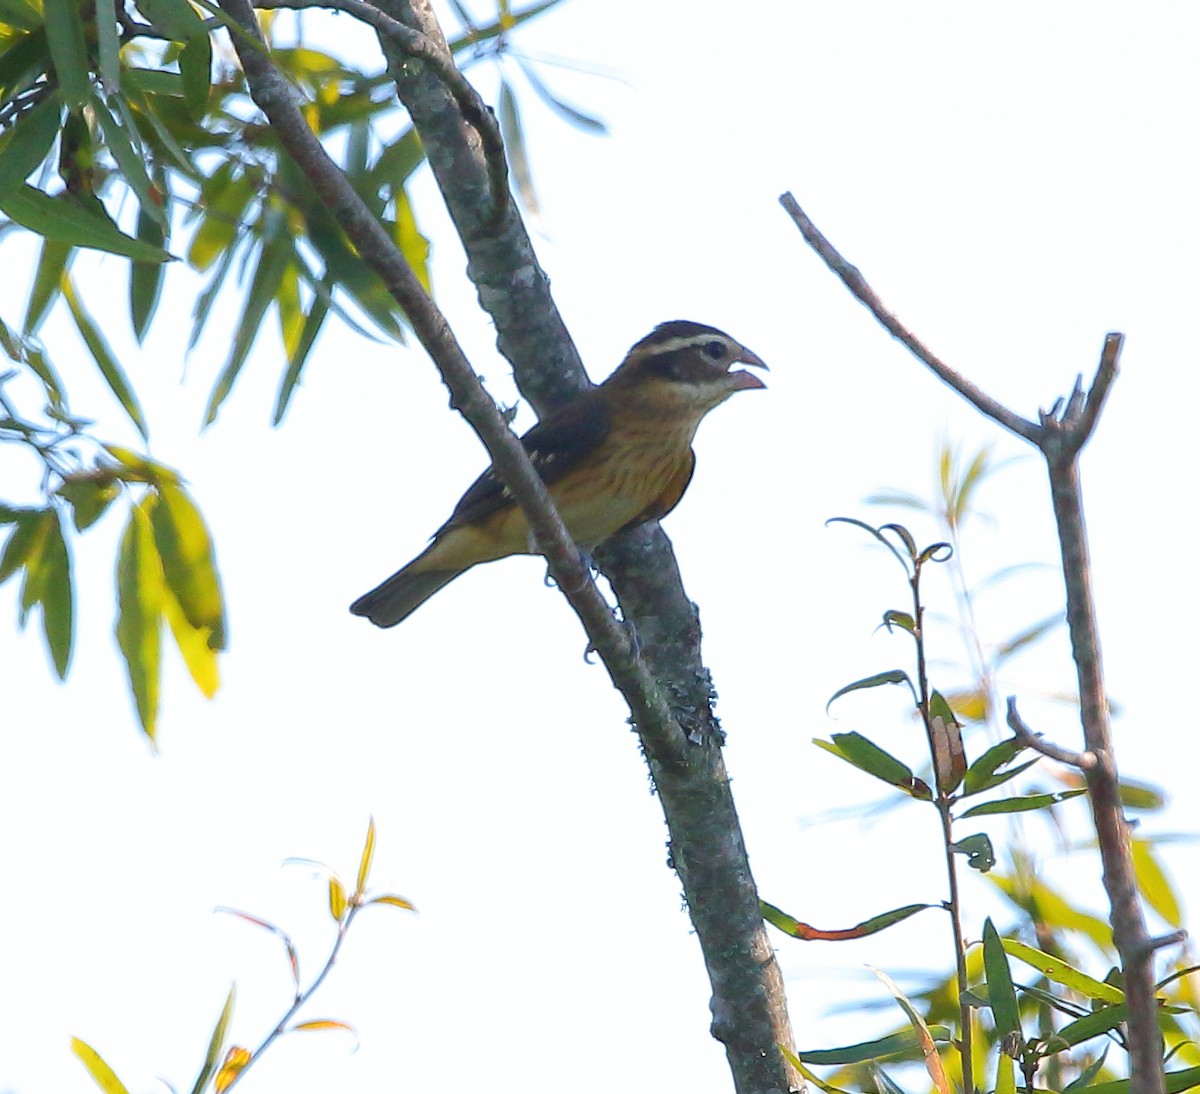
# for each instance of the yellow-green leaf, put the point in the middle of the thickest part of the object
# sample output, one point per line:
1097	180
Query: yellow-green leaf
186	551
215	1041
337	899
57	598
368	853
103	1075
1154	884
140	593
1061	973
199	657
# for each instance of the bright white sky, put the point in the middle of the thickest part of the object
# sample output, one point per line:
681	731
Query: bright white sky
1014	182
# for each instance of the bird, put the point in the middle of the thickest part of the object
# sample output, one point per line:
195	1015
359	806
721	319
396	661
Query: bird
618	455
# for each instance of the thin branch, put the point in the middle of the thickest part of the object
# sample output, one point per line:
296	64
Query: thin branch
1079	760
857	284
278	102
412	43
1060	435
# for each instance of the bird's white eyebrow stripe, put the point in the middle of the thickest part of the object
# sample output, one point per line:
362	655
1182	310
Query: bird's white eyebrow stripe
673	344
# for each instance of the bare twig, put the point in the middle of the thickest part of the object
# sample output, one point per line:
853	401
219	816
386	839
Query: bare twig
857	285
1060	435
412	43
1079	760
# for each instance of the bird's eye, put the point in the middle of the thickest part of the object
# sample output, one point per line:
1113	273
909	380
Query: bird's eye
715	350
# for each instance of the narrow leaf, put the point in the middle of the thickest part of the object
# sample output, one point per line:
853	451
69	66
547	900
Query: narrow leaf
23	541
878	535
27	143
808	933
139	603
933	1062
235	1062
1028	636
308	336
145	278
1092	1025
518	158
1054	968
394	901
68	51
569	113
108	45
368	853
893	618
337	899
892	676
64	221
275	255
950	761
867	756
195	66
125	147
47	282
1002	997
897	1044
215	1042
1022	804
110	367
103	1075
185	547
980	774
57	596
199	657
1153	883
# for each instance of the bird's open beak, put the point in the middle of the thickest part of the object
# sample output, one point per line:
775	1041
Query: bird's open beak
746	381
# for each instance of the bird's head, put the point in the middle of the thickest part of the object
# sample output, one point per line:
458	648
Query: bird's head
688	366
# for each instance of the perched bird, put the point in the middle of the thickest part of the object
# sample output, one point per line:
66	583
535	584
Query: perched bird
618	455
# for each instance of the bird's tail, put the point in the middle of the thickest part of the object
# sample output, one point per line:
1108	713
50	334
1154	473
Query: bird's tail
402	594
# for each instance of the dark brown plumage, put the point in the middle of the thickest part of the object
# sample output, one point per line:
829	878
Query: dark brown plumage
617	456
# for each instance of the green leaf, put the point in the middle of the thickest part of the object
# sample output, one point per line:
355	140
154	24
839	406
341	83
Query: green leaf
867	756
195	66
275	255
1021	804
26	144
1002	997
56	596
145	278
571	114
103	1075
1173	1083
110	367
1054	968
1153	883
20	14
185	548
216	1043
108	45
982	774
1028	636
892	676
903	1043
22	541
64	221
893	618
979	851
806	932
125	146
68	50
89	496
1136	795
933	1062
53	262
518	156
877	533
1090	1025
140	594
950	761
308	336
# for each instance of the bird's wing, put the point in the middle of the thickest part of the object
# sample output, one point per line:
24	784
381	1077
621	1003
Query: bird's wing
555	445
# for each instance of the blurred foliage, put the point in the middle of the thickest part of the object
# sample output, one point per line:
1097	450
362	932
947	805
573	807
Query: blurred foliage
1020	1006
127	128
224	1064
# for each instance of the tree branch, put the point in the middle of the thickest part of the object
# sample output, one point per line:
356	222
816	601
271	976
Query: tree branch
1060	437
707	848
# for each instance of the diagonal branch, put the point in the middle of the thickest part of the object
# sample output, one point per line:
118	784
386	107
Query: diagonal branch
278	102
